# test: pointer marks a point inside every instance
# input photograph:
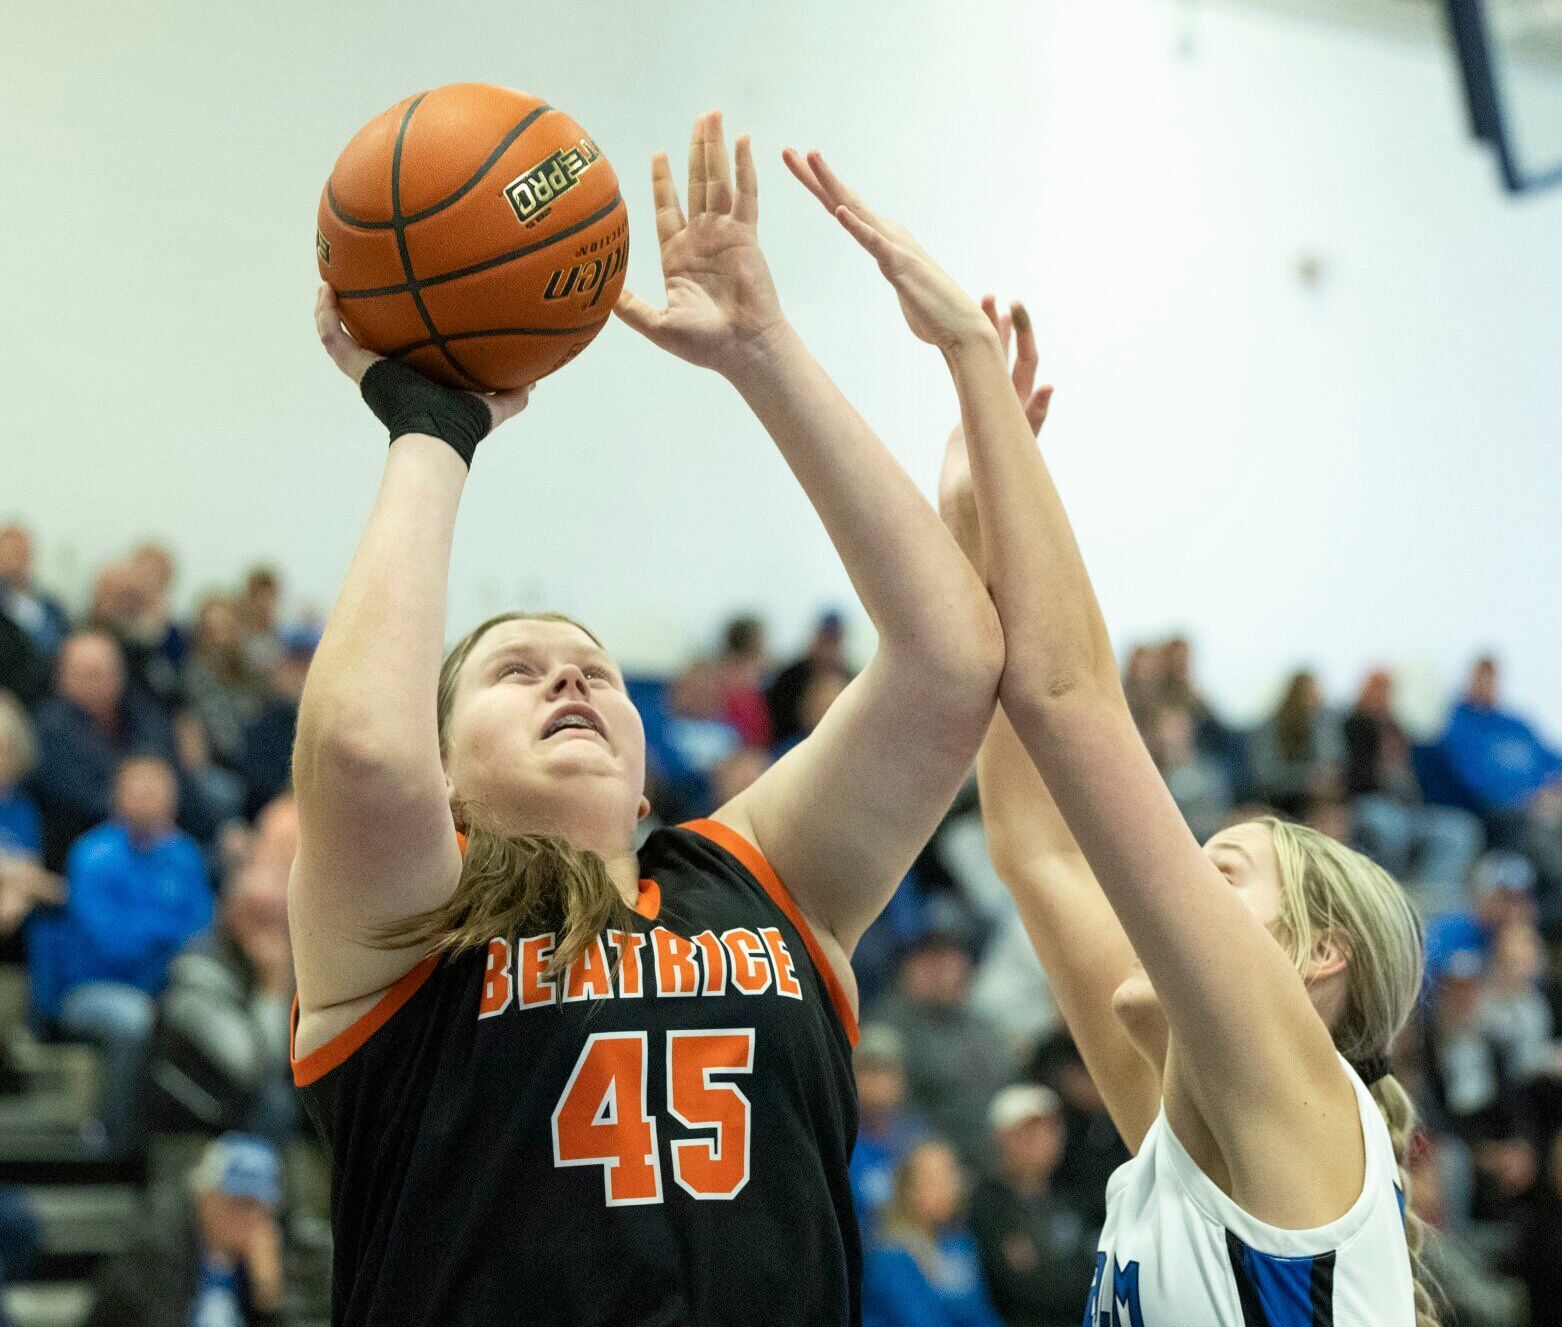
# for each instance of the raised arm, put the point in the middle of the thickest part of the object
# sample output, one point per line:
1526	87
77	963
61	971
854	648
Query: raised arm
844	814
1071	925
376	841
1249	1055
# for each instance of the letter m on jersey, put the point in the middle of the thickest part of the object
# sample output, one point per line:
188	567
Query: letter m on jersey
1120	1308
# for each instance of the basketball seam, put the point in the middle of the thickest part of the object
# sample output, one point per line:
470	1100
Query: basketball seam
498	331
422	283
400	226
505	144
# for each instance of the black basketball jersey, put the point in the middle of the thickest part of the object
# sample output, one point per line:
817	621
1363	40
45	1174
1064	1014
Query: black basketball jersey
659	1136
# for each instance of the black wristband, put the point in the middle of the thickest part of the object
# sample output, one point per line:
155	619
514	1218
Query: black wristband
406	402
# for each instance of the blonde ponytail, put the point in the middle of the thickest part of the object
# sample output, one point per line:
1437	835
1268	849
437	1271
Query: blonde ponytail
1328	889
1399	1114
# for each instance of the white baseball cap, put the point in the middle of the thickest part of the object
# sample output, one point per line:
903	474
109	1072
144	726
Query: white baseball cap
1021	1102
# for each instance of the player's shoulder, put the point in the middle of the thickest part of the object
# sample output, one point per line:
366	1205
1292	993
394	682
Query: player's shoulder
703	847
674	844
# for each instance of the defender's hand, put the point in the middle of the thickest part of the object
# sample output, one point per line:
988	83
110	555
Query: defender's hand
936	309
955	476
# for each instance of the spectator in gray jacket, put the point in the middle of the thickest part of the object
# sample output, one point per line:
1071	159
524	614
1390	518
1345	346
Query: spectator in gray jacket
219	1053
956	1060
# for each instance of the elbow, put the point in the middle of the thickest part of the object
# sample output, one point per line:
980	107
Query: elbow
969	656
1040	697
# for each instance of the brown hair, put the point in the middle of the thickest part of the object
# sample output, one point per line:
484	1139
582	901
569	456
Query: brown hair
1327	888
229	667
1294	718
513	882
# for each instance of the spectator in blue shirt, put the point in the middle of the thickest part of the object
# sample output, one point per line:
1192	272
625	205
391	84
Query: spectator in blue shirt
886	1129
924	1270
137	891
1498	759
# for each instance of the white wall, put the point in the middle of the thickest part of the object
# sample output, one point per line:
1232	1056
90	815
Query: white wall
1363	470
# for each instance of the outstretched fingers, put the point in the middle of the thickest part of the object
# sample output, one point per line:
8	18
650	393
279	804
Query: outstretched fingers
718	170
1001	322
1025	356
746	206
697	181
798	165
836	192
1036	408
664	193
870	237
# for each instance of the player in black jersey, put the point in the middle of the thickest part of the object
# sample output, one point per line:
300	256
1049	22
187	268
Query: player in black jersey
563	1081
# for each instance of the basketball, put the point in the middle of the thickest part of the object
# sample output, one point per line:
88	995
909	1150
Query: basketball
476	234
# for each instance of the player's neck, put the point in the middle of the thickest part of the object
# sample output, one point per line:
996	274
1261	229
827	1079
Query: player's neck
625	870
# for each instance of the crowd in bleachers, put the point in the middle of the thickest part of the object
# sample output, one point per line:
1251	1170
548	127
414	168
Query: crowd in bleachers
146	833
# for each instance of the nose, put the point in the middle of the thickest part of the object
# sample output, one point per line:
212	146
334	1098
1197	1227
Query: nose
569	681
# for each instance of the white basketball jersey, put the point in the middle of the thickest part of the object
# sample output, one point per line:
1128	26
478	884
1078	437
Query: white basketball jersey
1177	1252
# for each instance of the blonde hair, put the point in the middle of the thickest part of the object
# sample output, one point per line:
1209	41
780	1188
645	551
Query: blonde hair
513	882
898	1222
1329	890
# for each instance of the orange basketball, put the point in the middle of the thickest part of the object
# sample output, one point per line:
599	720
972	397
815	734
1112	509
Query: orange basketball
475	233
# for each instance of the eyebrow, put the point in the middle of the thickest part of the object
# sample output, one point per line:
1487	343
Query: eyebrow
526	649
1229	846
509	650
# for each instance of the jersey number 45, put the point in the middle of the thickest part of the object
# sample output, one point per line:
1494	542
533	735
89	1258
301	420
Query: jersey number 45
602	1118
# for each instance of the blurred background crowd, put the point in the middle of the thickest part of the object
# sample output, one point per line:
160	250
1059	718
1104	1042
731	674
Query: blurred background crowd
158	1169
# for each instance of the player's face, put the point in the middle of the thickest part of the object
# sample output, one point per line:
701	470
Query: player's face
1245	856
1034	1146
541	722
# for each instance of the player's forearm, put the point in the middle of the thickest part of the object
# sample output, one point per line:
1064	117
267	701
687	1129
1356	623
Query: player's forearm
373	680
1021	821
1056	638
920	591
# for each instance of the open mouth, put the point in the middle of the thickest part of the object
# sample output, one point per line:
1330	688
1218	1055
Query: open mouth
574	719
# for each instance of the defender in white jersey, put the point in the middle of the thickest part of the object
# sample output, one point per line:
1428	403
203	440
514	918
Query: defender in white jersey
1177	1249
1228	1001
1219	995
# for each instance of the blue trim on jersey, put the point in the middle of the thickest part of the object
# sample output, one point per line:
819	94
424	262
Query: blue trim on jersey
1282	1292
1399	1197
